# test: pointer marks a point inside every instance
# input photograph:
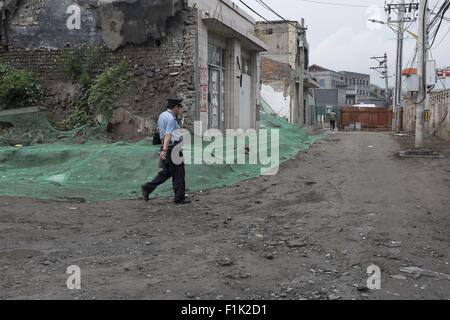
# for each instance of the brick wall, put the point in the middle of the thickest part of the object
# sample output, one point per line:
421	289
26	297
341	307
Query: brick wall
157	69
272	70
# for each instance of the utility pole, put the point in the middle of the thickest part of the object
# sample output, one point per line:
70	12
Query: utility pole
399	66
300	115
383	61
405	13
386	79
421	72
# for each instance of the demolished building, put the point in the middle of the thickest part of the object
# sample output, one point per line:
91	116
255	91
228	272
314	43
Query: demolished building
284	70
203	51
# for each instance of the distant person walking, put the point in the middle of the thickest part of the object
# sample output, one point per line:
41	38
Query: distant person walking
332	117
170	135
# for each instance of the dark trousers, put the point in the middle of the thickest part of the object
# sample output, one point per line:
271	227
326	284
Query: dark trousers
333	124
170	170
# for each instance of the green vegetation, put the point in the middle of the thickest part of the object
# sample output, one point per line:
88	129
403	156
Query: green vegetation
81	63
374	94
104	89
80	116
18	88
99	92
72	65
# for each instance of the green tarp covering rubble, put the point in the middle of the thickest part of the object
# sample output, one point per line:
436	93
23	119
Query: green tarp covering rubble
33	127
96	171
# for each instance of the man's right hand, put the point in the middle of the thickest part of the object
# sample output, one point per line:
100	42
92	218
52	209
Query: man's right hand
163	155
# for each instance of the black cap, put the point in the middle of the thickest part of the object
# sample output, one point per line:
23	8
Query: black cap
173	102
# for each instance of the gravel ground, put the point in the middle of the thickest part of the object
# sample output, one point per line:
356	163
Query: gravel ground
310	232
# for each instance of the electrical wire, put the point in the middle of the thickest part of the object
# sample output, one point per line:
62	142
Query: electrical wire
434	8
445	7
443	38
440	15
265	5
340	4
258	14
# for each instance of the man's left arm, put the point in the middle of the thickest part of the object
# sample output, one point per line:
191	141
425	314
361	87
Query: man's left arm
170	129
166	143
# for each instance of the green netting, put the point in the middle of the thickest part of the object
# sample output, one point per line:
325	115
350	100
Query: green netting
34	128
96	171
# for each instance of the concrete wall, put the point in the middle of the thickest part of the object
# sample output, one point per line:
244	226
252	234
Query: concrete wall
342	97
312	114
276	36
223	23
439	105
282	40
43	23
228	13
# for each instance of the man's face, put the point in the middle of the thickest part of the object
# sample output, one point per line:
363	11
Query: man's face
177	110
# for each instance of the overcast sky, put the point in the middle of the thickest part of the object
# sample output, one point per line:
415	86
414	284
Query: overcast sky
341	38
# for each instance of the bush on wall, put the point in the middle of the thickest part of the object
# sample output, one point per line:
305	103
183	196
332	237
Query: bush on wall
18	88
104	89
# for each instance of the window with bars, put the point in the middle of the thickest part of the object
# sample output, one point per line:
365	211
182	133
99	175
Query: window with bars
216	55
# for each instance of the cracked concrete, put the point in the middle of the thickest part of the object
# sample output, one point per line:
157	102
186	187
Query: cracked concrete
135	21
114	23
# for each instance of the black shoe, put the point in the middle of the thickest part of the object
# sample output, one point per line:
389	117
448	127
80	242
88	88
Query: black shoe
182	202
145	194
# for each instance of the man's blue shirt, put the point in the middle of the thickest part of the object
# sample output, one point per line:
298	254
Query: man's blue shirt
168	124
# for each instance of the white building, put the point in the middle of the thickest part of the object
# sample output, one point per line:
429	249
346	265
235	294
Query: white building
228	64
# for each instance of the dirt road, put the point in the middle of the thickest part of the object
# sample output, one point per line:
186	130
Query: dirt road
310	232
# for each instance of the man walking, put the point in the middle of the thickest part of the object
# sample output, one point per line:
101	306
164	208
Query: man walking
170	134
332	116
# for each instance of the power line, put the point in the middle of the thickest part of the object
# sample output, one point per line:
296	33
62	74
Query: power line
440	14
340	4
436	14
265	5
259	15
434	8
443	38
445	7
